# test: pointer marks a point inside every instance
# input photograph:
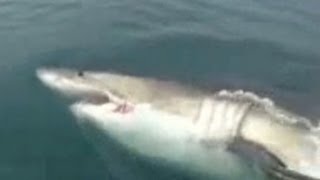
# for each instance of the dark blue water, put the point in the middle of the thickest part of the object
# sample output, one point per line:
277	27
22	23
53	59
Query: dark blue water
270	47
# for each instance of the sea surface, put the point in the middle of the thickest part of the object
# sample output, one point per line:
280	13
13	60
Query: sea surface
270	47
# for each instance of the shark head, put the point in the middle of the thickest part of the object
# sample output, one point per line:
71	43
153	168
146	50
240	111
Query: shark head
107	100
111	97
92	86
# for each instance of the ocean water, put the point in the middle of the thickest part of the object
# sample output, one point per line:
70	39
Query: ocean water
269	47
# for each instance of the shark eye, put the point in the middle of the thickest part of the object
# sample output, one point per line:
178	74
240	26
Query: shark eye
80	73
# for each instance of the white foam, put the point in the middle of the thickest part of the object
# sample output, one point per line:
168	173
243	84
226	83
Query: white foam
265	104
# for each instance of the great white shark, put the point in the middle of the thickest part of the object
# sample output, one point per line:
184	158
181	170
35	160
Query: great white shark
201	131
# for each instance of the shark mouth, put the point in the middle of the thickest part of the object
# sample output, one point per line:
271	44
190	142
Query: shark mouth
110	102
82	93
117	105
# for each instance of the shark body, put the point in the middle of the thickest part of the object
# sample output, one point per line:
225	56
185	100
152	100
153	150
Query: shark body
204	132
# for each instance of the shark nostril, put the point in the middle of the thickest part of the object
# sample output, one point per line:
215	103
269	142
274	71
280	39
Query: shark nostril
80	73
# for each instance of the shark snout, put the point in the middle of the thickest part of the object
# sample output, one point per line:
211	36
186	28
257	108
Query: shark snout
47	77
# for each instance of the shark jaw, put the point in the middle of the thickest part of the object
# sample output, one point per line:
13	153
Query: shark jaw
157	120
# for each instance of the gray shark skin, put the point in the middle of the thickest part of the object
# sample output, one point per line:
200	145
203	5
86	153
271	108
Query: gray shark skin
194	129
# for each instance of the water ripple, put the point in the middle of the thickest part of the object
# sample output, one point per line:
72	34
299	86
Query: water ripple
19	14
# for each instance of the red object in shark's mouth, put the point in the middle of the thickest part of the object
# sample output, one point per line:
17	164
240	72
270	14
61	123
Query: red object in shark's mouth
124	108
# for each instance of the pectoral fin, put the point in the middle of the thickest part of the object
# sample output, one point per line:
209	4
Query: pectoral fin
282	173
269	163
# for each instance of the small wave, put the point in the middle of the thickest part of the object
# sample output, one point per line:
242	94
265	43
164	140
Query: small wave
266	104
